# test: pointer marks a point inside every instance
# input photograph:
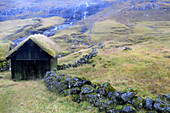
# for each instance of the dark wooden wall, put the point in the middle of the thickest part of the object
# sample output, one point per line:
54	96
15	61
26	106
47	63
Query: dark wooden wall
30	62
31	51
24	70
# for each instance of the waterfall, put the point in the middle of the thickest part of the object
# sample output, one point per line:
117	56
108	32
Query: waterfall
71	14
90	31
85	11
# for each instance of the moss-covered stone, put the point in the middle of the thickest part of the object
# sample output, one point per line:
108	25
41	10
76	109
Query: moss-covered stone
4	65
76	90
106	101
86	89
102	91
125	109
76	98
109	87
148	104
161	104
129	94
95	84
58	78
131	90
129	109
67	92
78	84
91	98
79	78
71	82
72	91
63	79
105	104
119	107
137	102
104	96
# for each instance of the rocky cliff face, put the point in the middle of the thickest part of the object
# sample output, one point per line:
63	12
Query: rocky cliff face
71	12
69	9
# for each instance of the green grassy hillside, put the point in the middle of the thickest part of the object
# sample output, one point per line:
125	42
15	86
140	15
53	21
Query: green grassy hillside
12	29
33	96
146	67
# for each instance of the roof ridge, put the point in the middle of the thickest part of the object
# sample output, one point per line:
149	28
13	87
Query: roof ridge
42	41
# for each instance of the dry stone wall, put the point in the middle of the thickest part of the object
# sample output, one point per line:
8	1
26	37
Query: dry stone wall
79	62
4	65
104	95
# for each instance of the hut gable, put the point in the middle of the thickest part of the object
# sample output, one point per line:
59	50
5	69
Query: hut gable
33	58
42	41
30	51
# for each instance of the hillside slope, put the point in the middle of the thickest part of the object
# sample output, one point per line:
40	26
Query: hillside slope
79	26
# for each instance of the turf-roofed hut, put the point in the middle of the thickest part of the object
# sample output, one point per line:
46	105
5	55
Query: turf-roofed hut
33	57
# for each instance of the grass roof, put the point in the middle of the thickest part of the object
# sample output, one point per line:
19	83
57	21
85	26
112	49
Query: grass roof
42	41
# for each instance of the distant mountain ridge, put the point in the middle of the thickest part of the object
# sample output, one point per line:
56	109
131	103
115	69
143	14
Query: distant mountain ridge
22	9
82	13
76	10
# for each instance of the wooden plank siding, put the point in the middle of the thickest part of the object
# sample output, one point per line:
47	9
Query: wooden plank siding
31	51
30	62
24	69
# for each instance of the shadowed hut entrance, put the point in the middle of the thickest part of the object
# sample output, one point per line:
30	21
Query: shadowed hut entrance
33	58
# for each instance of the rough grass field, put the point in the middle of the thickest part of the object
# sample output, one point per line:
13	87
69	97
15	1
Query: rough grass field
34	97
4	48
113	30
145	67
18	28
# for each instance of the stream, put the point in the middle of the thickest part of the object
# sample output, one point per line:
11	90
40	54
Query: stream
72	16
